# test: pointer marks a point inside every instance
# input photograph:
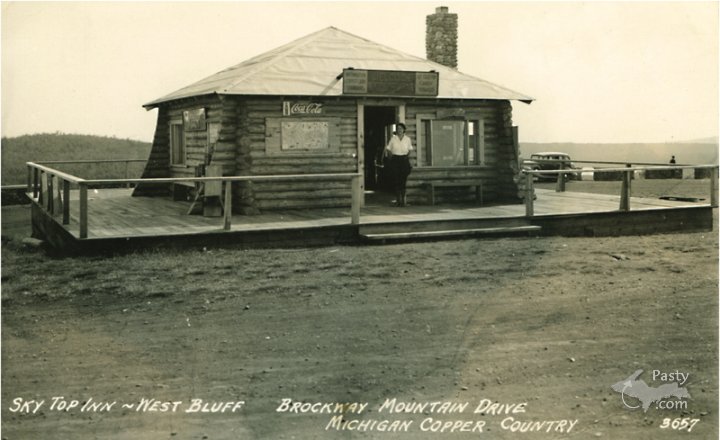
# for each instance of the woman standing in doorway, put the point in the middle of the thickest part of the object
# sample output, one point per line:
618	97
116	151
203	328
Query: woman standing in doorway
398	150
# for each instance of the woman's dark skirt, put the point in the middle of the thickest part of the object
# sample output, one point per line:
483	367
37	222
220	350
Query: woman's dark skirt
399	167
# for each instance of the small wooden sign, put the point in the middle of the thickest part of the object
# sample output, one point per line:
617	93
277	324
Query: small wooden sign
355	81
291	108
390	83
194	120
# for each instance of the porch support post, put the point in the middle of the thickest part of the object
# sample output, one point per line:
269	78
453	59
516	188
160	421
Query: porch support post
529	195
625	192
127	173
361	145
228	206
66	202
714	187
41	196
50	195
57	195
83	211
36	180
560	187
356	198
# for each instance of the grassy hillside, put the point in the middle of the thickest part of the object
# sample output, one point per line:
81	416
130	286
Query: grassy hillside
43	147
685	153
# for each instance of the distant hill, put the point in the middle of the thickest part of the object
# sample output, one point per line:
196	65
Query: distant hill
660	153
43	147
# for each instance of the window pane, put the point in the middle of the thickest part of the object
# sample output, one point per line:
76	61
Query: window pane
427	139
472	140
177	144
447	143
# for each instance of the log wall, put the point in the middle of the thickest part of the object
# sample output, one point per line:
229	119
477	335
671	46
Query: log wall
158	164
218	111
246	136
259	153
500	164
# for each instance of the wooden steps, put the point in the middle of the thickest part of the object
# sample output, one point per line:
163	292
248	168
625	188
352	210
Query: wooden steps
525	230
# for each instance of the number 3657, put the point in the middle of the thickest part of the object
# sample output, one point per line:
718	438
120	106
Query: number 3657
679	424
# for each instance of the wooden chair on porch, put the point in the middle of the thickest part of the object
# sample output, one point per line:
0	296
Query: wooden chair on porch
208	193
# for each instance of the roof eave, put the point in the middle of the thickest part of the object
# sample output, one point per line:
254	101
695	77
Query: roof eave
158	102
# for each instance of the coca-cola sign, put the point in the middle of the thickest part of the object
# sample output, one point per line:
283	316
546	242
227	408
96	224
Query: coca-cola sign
302	108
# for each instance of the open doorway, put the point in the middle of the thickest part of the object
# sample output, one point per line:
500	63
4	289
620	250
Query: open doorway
379	123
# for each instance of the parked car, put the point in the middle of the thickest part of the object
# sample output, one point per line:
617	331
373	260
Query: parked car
550	160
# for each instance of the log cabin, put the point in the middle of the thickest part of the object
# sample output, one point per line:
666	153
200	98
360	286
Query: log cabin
328	103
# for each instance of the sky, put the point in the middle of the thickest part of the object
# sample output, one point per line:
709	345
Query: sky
599	71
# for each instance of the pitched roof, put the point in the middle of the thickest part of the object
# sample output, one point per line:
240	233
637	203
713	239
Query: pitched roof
310	66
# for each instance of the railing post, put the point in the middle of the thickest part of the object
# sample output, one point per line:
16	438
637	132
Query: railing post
529	195
41	198
127	173
57	195
29	179
66	202
51	194
355	202
228	206
625	191
83	211
714	187
36	179
560	187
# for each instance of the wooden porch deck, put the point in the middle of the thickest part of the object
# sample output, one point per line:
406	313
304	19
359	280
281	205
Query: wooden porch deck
113	214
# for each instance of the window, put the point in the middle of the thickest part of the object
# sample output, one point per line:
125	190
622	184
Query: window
452	142
177	144
476	142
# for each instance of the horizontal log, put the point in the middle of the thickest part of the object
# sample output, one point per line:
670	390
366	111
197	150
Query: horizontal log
303	204
255	137
449	173
194	140
302	159
227	132
182	172
223	156
262	187
413	109
274	170
232	178
257	129
224	147
259	149
303	195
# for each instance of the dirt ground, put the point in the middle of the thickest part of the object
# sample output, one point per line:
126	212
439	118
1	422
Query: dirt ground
550	323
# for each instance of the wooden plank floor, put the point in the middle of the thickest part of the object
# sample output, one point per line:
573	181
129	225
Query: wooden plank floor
114	213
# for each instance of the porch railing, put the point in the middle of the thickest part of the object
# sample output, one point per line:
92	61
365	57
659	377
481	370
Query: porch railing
50	188
625	190
125	170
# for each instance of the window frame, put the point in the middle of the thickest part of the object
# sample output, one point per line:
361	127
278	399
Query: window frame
423	135
174	126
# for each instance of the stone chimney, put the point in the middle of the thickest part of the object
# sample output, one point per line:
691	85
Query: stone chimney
441	37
